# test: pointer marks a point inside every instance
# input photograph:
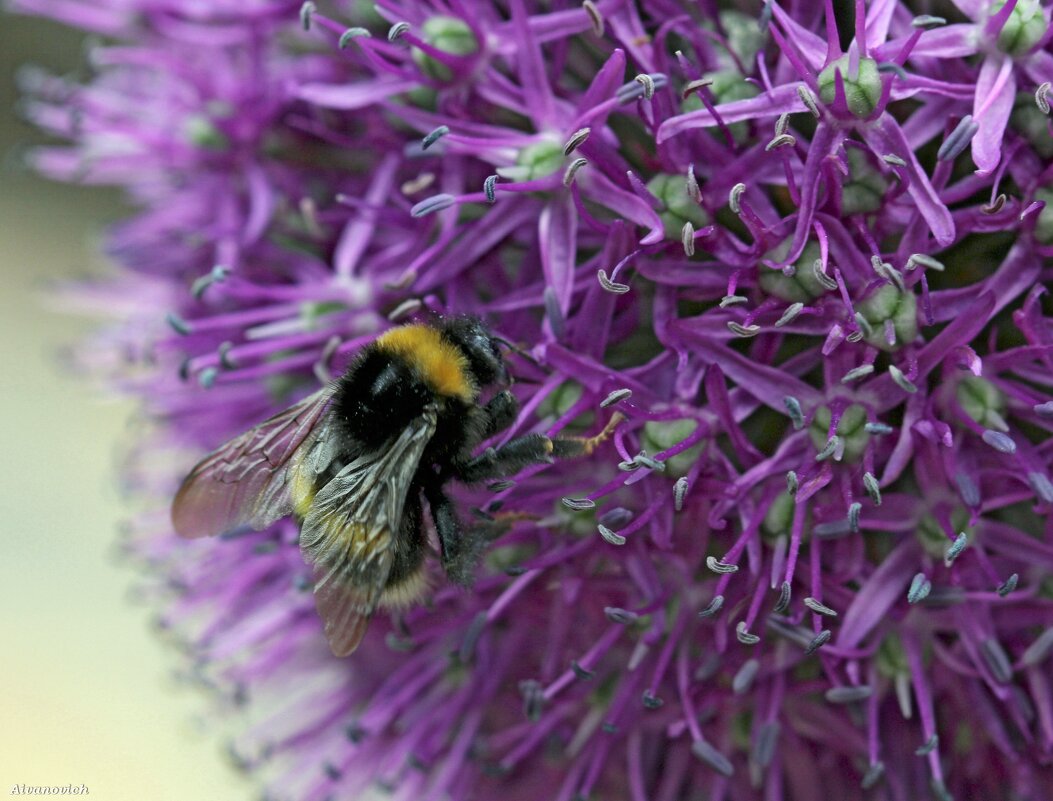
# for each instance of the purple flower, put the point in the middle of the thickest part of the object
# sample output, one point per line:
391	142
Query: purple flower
817	554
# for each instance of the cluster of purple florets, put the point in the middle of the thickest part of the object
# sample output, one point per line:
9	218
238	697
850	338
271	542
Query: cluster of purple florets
801	246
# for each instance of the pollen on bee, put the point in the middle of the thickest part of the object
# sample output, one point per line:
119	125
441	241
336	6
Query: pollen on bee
440	364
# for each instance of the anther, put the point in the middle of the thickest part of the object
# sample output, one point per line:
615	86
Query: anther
848	695
819	607
635	88
873	775
488	188
995	205
901	380
679	493
1042	97
713	758
713	608
959	139
782	124
824	280
572	170
621	616
616	397
744	677
854	510
732	300
784	599
217	275
782	140
1039	649
178	324
1002	443
651	701
928	746
924	260
864	325
997	661
579	504
595	17
873	488
894	160
717	566
818	642
789	315
647	82
857	372
687	239
610	536
500	486
350	34
207	377
743	635
432	204
434	137
1044	409
877	428
395	31
307	10
793	408
733	197
1008	585
576	140
744	330
955	549
829	449
920	587
693	190
1042	486
792	482
808	99
533	698
609	285
580	672
405	309
693	86
927	22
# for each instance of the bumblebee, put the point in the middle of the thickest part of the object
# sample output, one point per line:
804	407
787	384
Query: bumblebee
357	462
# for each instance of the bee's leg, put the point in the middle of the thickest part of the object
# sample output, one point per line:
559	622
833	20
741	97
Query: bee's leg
530	449
500	411
461	547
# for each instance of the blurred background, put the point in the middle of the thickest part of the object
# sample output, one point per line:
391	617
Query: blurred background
87	693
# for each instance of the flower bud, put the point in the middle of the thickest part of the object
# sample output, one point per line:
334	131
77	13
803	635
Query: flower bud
862	90
449	34
1023	30
851	428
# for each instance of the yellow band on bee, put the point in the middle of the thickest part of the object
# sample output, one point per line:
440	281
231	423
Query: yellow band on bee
440	364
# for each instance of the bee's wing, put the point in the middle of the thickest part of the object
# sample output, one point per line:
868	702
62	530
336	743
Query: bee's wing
348	536
245	481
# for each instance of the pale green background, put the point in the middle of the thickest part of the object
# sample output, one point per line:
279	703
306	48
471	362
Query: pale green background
85	688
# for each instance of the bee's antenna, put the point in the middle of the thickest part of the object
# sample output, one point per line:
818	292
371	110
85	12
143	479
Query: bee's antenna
517	350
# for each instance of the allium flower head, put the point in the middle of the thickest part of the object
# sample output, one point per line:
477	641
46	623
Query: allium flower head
802	247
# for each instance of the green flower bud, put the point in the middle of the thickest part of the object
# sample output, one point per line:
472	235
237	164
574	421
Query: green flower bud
680	208
727	87
450	35
888	303
891	659
865	187
662	435
851	428
313	311
779	517
935	540
1024	28
862	90
1029	120
744	35
202	132
535	161
982	401
802	286
1044	225
560	401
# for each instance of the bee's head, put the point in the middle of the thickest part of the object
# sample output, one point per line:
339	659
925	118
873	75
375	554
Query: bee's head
479	346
